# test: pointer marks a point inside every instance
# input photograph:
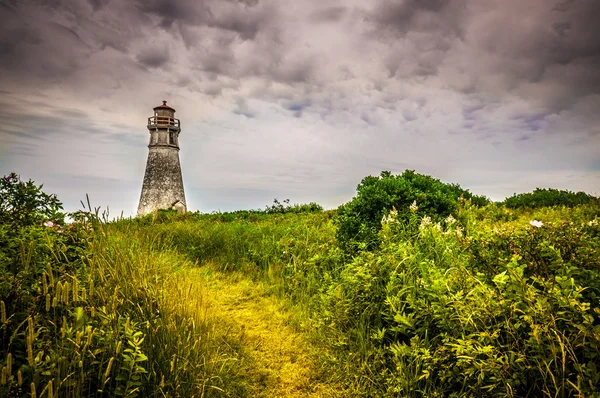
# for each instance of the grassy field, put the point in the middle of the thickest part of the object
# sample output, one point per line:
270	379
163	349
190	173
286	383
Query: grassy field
489	301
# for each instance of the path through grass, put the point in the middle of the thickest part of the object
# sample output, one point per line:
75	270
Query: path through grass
276	359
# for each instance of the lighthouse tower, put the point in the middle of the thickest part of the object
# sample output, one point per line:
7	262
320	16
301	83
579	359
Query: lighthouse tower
163	184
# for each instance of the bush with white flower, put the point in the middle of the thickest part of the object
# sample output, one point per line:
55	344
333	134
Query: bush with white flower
536	223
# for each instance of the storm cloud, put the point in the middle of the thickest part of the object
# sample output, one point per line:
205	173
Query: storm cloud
303	99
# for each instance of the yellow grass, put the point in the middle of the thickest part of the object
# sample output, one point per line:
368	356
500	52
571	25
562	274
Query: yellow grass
276	359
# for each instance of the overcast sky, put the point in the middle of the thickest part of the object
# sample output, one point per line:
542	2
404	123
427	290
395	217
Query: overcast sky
300	99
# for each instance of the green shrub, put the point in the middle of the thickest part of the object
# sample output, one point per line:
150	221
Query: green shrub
36	247
32	228
99	309
25	204
281	208
424	317
548	197
359	220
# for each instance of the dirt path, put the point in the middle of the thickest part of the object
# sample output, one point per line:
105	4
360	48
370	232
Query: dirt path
276	358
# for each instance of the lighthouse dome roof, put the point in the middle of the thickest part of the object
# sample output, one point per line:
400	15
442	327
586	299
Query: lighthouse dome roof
164	106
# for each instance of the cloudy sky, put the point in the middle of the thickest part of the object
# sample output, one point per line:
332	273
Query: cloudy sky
300	99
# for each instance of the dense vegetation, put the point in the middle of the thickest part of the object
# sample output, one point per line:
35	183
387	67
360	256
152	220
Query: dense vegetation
359	221
454	297
548	197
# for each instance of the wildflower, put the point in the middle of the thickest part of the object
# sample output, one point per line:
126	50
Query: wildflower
450	220
49	224
425	222
391	217
593	222
413	207
536	223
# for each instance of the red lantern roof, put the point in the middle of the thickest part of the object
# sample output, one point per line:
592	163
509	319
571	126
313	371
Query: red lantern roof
164	106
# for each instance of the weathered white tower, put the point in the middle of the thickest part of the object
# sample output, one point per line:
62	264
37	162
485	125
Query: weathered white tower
163	184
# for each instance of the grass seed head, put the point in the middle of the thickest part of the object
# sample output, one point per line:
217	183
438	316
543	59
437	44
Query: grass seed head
30	341
65	293
107	371
58	292
50	275
75	289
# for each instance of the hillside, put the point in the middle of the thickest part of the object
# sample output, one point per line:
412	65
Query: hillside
456	300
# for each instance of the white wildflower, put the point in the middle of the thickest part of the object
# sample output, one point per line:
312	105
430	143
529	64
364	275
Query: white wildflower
459	232
425	222
450	220
536	223
413	207
391	217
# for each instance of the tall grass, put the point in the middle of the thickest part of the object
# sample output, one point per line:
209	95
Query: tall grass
486	304
293	251
126	322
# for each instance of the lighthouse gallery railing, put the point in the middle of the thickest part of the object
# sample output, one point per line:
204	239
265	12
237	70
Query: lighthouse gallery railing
158	121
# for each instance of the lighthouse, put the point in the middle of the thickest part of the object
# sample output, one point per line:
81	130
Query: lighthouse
163	183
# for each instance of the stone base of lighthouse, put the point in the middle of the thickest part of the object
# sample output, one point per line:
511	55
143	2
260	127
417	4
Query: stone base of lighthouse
163	184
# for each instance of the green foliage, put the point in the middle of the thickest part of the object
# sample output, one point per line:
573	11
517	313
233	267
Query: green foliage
281	208
25	204
32	232
482	303
548	197
359	220
452	299
167	216
425	317
84	311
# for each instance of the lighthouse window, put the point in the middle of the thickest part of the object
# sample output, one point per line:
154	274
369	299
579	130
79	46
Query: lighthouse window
171	138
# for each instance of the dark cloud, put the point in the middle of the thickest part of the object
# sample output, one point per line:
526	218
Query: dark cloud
98	4
249	3
329	14
243	109
244	18
170	11
290	72
404	16
551	56
46	51
154	58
